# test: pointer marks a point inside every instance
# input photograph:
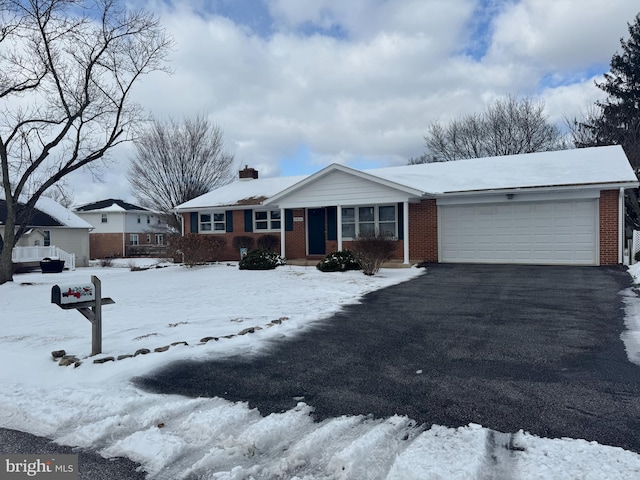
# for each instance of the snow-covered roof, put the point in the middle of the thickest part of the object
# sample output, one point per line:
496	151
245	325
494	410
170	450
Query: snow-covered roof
110	205
589	167
576	167
241	192
63	215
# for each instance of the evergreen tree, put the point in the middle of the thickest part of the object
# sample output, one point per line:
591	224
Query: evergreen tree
616	120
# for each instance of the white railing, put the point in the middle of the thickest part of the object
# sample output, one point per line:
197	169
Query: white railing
37	253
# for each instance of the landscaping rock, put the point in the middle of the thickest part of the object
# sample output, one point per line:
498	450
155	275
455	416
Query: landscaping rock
161	349
206	339
142	351
104	360
122	357
179	343
68	360
247	330
56	354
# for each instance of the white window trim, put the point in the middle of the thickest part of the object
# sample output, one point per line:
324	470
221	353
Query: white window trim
212	222
134	239
269	221
376	218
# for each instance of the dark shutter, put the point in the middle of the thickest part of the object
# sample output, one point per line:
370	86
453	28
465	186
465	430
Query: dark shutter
400	208
248	220
288	220
228	214
193	228
332	223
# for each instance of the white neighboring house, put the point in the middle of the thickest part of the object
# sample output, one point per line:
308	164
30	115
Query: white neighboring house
122	229
54	231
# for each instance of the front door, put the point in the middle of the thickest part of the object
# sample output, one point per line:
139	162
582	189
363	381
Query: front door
316	225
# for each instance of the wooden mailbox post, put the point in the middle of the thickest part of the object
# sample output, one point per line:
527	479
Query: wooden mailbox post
87	299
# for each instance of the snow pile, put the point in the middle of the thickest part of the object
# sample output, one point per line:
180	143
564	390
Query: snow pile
95	406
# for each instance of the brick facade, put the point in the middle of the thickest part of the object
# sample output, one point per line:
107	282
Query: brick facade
423	233
609	227
105	245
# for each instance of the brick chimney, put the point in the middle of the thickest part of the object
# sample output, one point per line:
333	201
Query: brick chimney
248	173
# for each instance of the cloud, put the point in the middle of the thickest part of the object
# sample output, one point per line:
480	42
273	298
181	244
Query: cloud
360	81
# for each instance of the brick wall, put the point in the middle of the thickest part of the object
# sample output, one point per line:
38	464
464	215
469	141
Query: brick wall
103	245
423	231
609	227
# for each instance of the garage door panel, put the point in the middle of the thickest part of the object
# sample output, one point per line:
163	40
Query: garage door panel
562	232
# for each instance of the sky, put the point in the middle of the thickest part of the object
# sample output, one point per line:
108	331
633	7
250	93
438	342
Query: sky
296	86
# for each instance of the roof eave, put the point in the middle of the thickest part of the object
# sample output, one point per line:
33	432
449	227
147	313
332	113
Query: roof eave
549	188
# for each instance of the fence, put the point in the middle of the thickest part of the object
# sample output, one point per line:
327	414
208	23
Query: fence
37	253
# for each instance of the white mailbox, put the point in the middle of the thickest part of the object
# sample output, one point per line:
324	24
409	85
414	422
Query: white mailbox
69	296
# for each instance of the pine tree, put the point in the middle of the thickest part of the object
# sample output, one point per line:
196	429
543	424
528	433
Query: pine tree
616	120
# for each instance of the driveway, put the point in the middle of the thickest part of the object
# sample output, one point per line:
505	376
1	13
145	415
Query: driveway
508	347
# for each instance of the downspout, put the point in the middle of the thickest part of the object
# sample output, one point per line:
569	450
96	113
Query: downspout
405	232
621	229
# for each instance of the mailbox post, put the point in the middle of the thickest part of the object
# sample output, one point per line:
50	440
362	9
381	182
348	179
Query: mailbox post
87	299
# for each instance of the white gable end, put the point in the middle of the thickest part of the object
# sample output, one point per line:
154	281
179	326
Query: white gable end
341	188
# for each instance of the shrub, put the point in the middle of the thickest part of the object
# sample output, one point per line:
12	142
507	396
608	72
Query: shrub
340	261
242	241
372	251
106	262
261	260
198	249
268	242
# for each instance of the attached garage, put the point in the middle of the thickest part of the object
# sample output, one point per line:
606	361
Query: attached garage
559	232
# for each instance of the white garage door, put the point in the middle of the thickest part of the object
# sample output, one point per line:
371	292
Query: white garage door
558	232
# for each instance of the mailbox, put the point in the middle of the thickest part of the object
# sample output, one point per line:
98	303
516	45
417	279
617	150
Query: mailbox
70	296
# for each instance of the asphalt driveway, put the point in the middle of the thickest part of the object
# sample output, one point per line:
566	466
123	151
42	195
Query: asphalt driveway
507	347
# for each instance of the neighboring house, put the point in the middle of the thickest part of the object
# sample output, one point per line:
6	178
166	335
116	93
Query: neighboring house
52	225
121	229
564	207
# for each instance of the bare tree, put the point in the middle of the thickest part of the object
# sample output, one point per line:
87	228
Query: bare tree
508	127
67	68
178	161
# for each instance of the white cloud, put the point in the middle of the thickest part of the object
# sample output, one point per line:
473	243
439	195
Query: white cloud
561	35
371	92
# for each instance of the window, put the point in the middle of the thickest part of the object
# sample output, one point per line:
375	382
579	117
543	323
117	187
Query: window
213	222
138	218
104	218
148	219
348	222
133	239
47	237
148	238
159	239
369	220
269	220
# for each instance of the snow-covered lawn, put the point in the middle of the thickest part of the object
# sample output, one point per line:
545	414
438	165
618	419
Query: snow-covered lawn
95	405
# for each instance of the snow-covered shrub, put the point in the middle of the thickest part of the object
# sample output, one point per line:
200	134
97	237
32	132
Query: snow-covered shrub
372	251
339	261
197	249
261	260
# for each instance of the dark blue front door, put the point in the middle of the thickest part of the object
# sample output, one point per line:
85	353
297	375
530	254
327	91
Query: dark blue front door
316	224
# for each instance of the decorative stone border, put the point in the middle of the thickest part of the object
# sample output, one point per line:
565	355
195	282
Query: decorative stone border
65	360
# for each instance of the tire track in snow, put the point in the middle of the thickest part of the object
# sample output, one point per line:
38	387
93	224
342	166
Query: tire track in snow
500	456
